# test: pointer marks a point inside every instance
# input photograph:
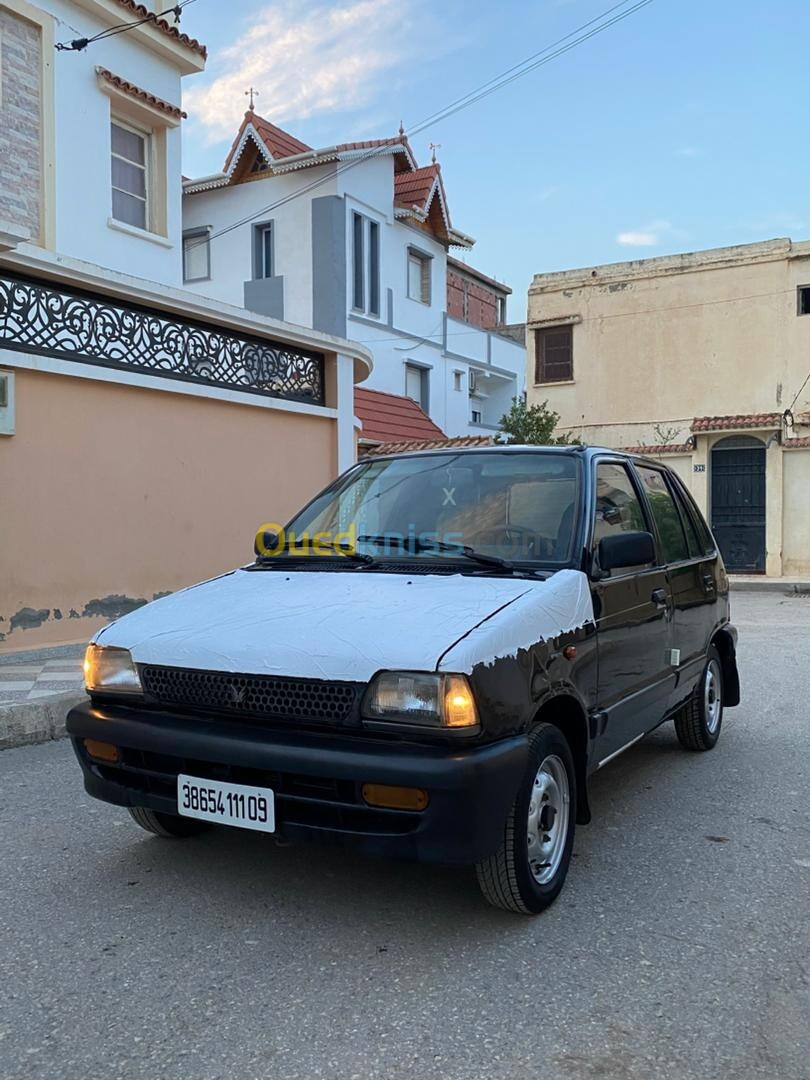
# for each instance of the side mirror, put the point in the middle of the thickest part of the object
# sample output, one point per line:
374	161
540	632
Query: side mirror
270	540
626	549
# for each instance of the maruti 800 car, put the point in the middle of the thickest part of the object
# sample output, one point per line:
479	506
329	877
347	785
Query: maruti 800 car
428	661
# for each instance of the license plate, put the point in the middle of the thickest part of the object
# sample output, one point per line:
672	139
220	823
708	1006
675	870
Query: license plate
226	804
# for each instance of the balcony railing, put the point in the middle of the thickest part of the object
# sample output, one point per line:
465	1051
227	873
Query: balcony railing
38	317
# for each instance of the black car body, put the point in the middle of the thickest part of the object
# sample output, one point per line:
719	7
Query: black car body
593	607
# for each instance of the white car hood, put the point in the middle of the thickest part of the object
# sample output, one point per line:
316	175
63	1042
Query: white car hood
348	625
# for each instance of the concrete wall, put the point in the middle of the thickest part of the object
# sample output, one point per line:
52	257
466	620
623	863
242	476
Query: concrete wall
796	512
661	341
113	493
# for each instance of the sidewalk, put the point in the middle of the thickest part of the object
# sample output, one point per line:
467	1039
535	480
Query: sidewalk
41	673
759	583
37	688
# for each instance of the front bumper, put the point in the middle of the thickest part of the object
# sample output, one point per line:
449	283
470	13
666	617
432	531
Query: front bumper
316	778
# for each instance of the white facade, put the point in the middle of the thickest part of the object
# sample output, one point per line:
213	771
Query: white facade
418	351
141	91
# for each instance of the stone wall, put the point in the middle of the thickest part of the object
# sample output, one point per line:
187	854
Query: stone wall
20	122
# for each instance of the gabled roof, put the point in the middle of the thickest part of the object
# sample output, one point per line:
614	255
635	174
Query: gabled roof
277	143
420	195
392	418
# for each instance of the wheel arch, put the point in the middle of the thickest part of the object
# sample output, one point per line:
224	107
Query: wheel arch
724	643
566	713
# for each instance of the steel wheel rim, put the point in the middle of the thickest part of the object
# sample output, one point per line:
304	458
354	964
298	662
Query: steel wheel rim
549	813
712	697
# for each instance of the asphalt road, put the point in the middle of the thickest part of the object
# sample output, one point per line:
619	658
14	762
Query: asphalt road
679	948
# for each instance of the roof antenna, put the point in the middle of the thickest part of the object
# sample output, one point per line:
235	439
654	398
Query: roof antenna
433	147
251	93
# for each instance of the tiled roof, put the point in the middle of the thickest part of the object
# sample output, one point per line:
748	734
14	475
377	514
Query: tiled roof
142	12
390	418
726	423
413	189
412	445
796	444
661	448
279	143
140	95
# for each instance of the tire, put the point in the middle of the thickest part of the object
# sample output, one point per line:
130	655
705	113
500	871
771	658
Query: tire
511	879
169	826
698	723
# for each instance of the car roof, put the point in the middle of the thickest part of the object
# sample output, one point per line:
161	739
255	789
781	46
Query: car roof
462	451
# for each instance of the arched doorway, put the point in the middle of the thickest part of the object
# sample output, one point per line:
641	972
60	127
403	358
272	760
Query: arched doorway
738	502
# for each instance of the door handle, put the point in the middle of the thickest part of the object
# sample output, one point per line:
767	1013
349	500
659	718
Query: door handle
708	581
659	597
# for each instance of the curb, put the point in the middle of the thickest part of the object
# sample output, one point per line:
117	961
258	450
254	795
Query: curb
772	585
29	722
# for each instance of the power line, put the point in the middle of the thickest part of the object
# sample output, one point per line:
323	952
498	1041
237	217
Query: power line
587	30
80	44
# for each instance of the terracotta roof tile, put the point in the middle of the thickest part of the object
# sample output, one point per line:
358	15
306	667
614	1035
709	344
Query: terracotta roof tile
661	448
796	444
412	189
390	418
748	420
279	143
141	95
413	445
142	12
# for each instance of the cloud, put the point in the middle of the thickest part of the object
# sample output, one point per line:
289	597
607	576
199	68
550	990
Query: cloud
646	236
305	59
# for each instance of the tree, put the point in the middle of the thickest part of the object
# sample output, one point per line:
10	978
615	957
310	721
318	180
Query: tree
531	424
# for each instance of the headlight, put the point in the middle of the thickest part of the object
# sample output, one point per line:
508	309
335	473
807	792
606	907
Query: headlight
423	700
111	670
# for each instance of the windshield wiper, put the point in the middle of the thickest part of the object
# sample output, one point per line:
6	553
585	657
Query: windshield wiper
416	545
347	553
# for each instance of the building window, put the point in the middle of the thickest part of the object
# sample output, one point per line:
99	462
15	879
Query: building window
358	276
419	276
263	261
554	354
804	299
501	310
476	416
196	255
365	265
416	384
458	380
130	175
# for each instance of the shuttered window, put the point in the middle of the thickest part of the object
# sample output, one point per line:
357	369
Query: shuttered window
554	354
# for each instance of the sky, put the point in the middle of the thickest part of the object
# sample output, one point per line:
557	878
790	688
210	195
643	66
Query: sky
680	128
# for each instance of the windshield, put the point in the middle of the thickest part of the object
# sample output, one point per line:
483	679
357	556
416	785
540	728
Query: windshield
512	505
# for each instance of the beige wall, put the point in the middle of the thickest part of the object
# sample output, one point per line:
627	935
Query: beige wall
658	346
116	491
796	512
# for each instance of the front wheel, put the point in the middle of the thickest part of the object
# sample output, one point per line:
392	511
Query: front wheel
166	825
698	723
528	870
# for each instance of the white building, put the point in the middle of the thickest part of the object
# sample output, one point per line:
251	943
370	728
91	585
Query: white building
353	240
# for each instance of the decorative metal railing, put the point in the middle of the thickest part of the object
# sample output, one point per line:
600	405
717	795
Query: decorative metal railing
51	320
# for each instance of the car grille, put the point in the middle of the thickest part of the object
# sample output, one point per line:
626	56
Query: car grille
251	695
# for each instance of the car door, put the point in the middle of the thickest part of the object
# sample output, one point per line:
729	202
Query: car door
632	608
694	584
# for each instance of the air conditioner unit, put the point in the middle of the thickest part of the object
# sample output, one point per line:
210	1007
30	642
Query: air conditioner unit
472	380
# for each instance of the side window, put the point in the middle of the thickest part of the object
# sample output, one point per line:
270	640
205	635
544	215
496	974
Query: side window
617	506
665	513
692	538
707	544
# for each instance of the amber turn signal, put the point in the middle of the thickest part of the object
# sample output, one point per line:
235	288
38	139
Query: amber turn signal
395	798
102	751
